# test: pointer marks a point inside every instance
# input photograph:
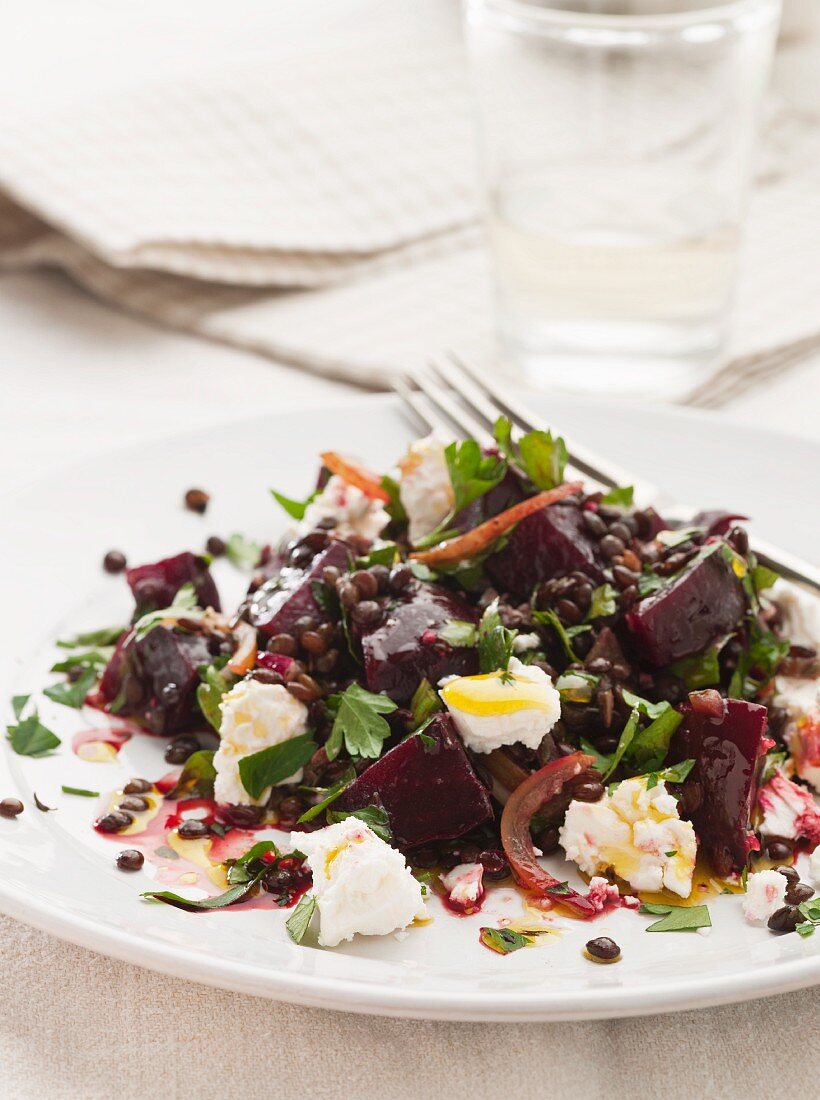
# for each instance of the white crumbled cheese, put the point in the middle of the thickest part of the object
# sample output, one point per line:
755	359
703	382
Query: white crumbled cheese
255	716
789	811
782	806
800	696
800	611
519	706
801	699
353	512
361	885
814	867
603	895
636	832
425	490
524	642
765	894
465	885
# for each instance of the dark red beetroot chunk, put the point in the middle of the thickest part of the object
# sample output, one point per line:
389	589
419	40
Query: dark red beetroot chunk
154	586
277	605
111	679
547	542
155	679
687	615
507	493
275	662
429	793
717	522
405	649
720	791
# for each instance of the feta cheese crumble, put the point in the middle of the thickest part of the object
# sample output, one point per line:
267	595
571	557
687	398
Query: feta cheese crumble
361	885
800	696
255	716
425	490
814	867
519	706
352	511
465	885
636	832
765	894
789	811
603	895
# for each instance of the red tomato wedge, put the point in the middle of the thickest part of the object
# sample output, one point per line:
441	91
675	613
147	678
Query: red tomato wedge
473	542
355	474
537	790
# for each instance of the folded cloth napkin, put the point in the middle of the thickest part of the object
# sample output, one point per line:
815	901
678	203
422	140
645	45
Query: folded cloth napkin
333	222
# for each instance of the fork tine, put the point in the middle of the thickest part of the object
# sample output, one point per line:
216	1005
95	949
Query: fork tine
609	475
453	375
441	399
461	383
422	411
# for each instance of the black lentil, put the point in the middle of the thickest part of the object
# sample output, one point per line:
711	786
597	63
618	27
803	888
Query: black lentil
137	786
196	500
797	892
114	561
114	822
130	860
133	803
603	949
785	919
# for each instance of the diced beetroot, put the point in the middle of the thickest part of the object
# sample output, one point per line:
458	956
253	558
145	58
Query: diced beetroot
405	648
111	679
154	679
688	614
656	523
274	662
154	586
720	791
429	792
545	543
508	492
289	595
717	522
167	662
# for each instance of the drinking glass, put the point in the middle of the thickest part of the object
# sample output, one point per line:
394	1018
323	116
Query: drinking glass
617	138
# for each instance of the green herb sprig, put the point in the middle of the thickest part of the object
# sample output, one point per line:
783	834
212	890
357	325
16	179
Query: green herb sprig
359	723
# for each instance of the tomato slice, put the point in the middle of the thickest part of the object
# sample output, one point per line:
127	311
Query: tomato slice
355	474
538	789
473	542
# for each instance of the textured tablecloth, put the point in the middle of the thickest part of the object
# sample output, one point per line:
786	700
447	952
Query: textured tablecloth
74	1024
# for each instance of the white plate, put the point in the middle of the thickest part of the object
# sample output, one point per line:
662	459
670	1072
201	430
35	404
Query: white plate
56	873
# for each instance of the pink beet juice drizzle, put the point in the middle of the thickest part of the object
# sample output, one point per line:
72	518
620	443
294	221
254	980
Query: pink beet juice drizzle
116	736
152	841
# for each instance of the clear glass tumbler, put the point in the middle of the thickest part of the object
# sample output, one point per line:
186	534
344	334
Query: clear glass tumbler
617	138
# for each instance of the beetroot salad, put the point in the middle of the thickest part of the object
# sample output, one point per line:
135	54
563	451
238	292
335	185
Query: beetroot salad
464	675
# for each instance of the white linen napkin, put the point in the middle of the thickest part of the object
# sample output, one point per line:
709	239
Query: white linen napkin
324	210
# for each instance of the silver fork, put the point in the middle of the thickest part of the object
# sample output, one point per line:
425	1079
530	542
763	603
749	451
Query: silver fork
454	394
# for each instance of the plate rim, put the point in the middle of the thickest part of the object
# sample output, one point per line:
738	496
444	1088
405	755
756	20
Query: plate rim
382	997
379	998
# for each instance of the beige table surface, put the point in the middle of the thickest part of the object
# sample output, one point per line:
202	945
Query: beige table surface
76	1024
